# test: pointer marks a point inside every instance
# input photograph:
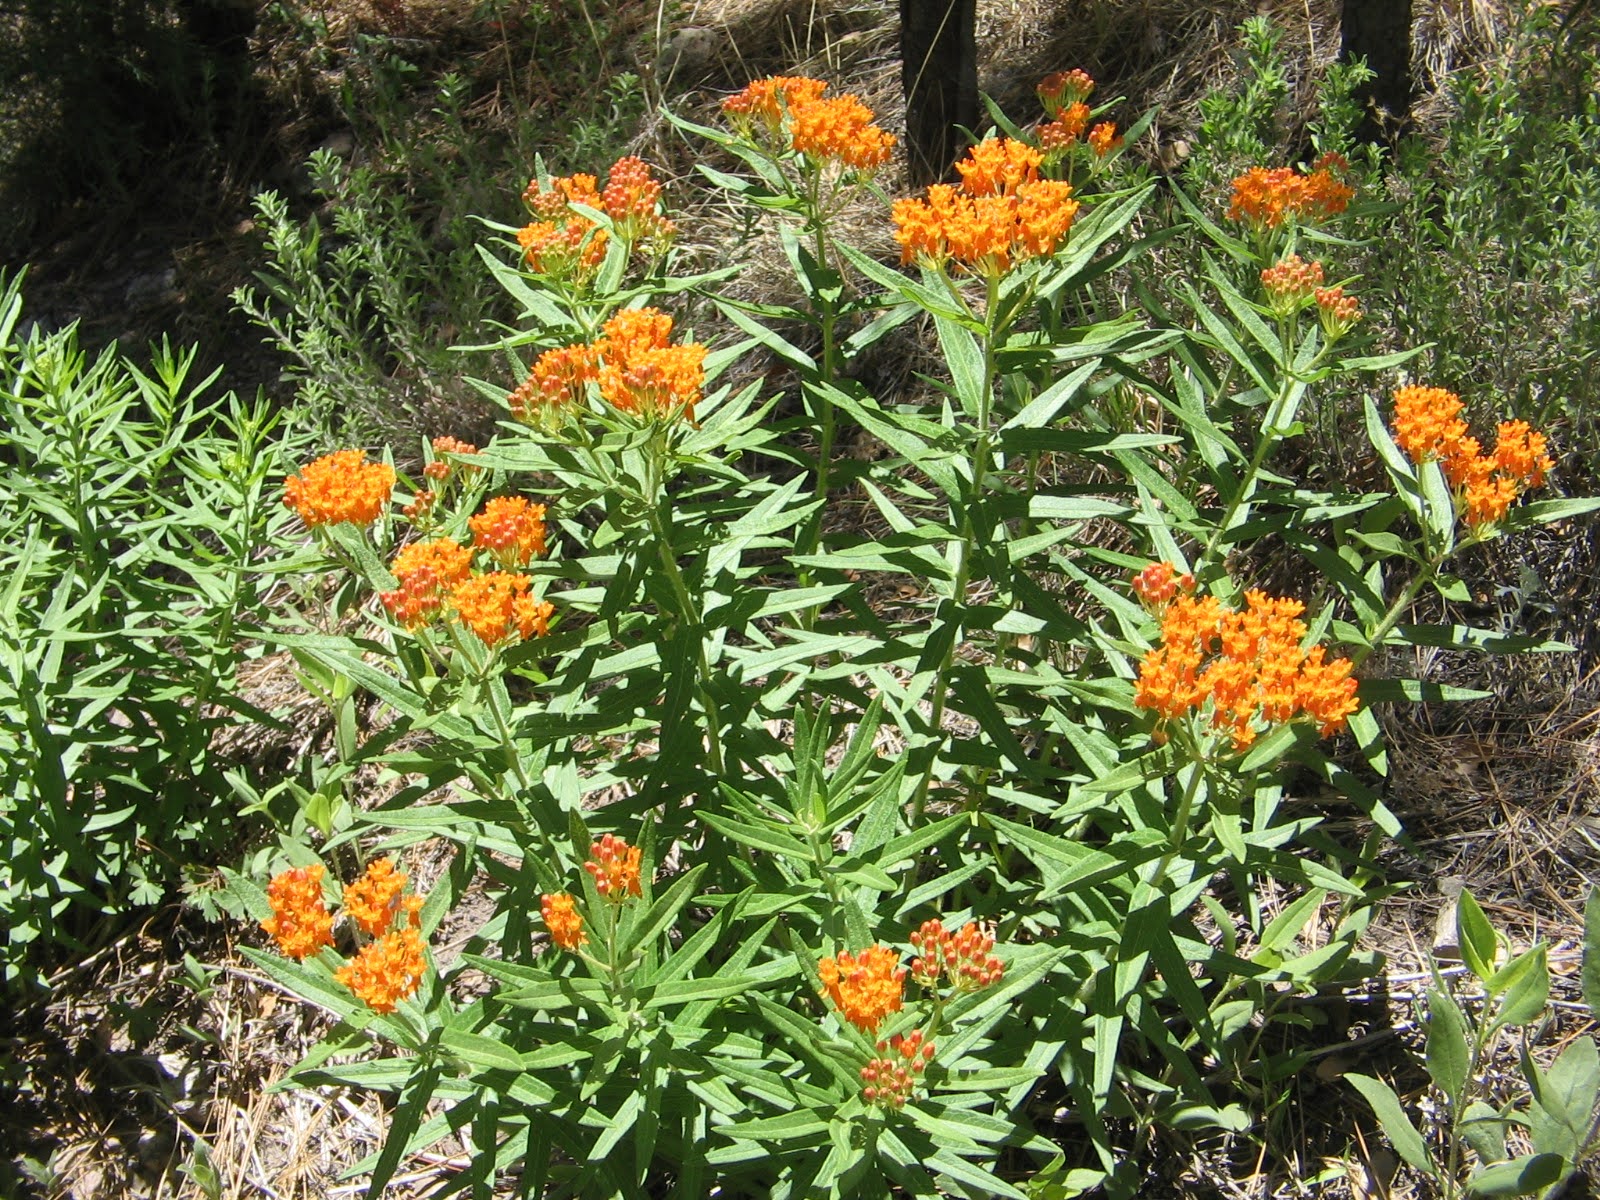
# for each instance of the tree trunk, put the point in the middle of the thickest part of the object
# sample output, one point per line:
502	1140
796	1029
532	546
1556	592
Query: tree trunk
1380	32
939	72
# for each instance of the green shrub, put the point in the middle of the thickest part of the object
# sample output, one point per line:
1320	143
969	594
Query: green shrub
133	509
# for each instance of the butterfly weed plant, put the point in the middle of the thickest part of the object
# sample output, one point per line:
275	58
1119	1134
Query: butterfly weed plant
792	895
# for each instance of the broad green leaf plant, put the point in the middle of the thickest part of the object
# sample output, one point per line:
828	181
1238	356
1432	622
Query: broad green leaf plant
796	892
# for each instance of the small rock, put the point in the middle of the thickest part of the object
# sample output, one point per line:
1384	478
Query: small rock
687	53
152	288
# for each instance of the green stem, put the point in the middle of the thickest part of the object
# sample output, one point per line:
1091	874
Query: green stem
687	624
961	547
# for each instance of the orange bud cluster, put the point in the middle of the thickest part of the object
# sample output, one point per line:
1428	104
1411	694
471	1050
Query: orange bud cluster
441	468
864	988
790	113
511	528
554	386
426	570
1248	666
1063	89
1159	583
300	922
1061	134
562	919
1337	311
1267	198
965	957
614	866
1428	424
1291	284
339	487
889	1079
1002	213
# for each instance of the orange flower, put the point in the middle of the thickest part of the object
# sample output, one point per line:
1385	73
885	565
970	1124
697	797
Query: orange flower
631	197
373	900
839	129
562	920
642	373
1427	423
562	243
864	988
1002	213
1267	198
1248	665
511	529
341	486
614	866
495	604
300	921
964	956
1103	139
387	970
998	167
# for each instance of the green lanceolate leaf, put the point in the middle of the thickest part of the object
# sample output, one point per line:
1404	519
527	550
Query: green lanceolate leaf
1518	1177
1448	1057
1475	936
1397	1127
1525	980
1591	953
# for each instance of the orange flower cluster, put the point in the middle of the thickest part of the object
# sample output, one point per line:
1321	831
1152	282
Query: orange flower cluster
387	970
1003	212
840	130
300	922
889	1079
1248	665
341	486
864	988
494	604
966	957
837	130
642	373
1291	284
564	243
562	919
638	371
614	866
1428	424
1266	198
373	900
426	570
511	529
1160	582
